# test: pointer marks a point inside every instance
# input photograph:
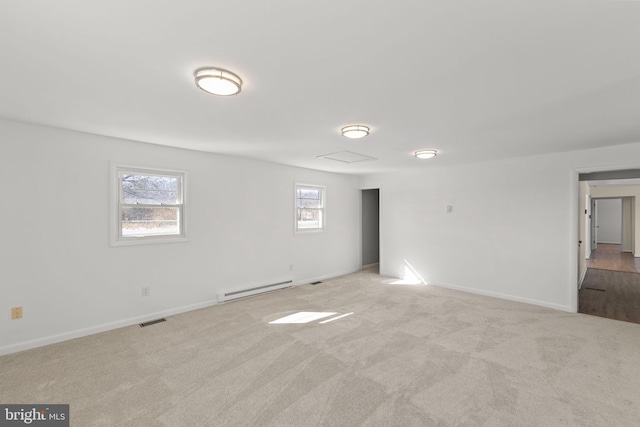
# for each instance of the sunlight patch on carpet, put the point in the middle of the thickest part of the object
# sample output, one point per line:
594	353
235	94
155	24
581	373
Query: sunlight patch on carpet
410	276
336	318
304	317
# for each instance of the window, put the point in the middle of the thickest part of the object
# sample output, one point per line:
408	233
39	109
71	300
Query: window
149	207
309	208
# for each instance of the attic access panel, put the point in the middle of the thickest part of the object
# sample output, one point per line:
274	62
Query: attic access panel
347	157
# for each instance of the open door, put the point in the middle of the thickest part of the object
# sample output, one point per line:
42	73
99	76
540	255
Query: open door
587	227
594	224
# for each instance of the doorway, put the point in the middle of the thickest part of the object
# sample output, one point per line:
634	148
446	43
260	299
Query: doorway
370	202
611	226
610	284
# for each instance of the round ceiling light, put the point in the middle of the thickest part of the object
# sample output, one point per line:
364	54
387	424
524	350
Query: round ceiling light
425	154
355	131
218	81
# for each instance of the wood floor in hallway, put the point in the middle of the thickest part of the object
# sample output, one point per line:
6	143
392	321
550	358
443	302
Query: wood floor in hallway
609	257
611	287
611	294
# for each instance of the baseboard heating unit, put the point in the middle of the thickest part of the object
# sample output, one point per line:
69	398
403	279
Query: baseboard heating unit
231	295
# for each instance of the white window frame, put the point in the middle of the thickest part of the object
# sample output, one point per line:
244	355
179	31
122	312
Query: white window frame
323	209
116	237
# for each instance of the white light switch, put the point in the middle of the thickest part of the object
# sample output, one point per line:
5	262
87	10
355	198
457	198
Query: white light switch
449	208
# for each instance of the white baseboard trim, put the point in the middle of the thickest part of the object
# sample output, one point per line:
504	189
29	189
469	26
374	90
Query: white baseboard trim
306	281
505	296
39	342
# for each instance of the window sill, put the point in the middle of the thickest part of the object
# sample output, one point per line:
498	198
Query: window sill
148	240
302	232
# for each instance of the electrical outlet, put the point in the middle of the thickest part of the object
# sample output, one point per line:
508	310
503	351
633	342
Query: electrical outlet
146	291
16	313
290	267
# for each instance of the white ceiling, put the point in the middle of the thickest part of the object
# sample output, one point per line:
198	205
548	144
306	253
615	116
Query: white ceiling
475	79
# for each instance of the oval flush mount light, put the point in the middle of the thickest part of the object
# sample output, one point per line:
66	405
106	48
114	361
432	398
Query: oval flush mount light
425	154
218	81
355	131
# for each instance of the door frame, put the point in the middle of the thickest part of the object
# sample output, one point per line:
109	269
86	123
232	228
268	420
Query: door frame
380	228
594	173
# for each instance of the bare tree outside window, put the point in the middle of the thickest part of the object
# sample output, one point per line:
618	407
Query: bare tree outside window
309	208
150	204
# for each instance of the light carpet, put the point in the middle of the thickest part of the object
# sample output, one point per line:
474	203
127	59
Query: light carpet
407	356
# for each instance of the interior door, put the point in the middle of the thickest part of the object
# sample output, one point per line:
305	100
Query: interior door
627	224
594	224
587	227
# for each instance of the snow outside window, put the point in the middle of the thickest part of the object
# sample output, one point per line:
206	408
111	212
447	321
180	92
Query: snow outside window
310	207
150	206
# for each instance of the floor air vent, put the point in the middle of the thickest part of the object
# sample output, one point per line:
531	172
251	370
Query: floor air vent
152	322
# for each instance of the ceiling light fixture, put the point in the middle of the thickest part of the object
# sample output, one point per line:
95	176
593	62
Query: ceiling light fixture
218	81
355	131
425	154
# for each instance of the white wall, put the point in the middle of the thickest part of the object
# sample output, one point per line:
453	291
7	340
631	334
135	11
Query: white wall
55	256
609	219
513	231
